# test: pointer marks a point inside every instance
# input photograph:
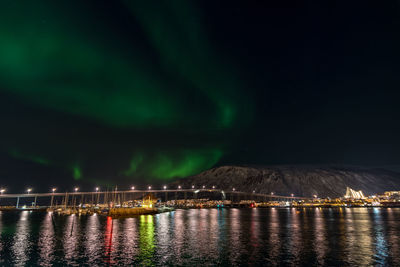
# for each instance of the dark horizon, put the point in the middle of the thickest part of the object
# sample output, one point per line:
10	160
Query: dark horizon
128	92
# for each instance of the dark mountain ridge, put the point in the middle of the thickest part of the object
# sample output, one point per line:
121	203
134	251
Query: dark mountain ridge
308	180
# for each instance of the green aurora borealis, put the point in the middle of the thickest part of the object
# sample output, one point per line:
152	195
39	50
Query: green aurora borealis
153	70
130	92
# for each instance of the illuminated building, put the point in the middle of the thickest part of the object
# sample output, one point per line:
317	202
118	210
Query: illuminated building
148	201
392	193
350	193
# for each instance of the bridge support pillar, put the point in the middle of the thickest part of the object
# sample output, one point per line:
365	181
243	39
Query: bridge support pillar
35	202
17	205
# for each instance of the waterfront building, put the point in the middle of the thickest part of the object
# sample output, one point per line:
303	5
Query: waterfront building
149	201
353	194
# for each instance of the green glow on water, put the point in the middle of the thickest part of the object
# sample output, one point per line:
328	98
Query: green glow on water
146	240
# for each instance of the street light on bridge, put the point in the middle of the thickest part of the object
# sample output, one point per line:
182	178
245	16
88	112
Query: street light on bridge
76	189
53	190
179	187
29	190
132	188
165	187
97	189
272	193
292	195
150	187
204	186
213	186
233	189
2	191
192	186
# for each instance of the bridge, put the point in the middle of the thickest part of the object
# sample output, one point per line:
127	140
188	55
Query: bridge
72	199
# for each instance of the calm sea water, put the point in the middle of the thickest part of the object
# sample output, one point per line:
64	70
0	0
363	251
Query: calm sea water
205	237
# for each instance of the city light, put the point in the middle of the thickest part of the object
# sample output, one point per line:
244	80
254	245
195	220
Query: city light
350	193
192	186
390	197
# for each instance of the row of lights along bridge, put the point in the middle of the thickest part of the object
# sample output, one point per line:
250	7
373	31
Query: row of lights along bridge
97	189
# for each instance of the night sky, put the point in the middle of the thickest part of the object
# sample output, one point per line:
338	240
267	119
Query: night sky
144	92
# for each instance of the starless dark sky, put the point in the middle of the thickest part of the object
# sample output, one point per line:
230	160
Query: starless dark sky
139	92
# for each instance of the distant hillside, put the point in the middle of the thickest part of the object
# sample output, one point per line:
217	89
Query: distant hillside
324	181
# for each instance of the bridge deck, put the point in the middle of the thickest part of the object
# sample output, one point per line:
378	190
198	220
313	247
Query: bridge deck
26	195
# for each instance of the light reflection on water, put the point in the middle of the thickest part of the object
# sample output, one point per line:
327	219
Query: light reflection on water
130	241
312	237
392	237
320	243
255	237
70	242
1	230
294	242
93	239
109	241
22	245
274	235
47	241
380	244
146	240
358	233
235	234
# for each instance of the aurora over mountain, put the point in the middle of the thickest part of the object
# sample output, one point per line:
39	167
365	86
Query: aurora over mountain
130	92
